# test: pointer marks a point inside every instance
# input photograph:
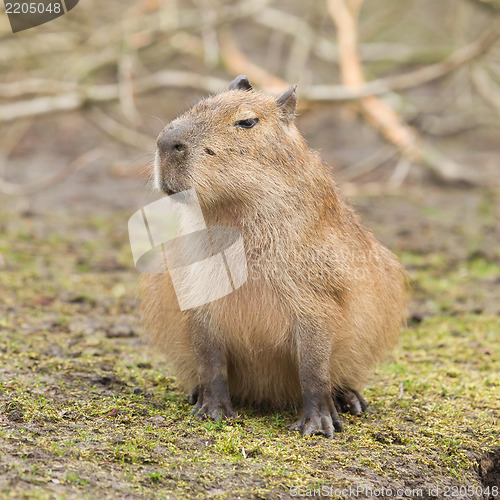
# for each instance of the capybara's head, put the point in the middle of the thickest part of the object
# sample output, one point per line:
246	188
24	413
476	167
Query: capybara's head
232	147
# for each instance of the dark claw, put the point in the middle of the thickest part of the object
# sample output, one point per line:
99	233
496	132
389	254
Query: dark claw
350	401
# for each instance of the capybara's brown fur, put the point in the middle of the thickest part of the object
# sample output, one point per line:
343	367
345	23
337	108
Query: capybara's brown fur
324	300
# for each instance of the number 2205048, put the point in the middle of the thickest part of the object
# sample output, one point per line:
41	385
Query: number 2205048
32	8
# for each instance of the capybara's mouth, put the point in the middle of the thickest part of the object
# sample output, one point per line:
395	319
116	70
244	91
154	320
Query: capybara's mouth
167	190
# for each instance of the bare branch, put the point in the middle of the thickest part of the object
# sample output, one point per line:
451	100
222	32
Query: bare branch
236	62
421	76
377	112
459	58
40	106
35	86
105	93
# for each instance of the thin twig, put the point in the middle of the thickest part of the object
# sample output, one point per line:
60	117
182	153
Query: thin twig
484	87
31	188
369	163
119	131
400	173
126	89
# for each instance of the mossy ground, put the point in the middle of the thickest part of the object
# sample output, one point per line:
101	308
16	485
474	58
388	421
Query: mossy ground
87	412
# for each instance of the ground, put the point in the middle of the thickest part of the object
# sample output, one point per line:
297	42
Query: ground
87	411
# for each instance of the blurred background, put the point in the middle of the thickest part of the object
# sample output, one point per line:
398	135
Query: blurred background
83	97
402	99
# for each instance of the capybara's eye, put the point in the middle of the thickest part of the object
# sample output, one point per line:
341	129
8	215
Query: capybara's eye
248	123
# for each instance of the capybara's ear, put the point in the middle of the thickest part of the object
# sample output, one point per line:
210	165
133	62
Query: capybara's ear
240	83
288	103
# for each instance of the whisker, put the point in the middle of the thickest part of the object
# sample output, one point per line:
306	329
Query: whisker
160	120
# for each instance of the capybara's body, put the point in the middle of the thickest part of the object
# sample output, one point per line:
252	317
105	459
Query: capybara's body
323	301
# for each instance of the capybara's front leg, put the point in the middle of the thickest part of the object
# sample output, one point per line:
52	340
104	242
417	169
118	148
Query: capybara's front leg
319	414
213	400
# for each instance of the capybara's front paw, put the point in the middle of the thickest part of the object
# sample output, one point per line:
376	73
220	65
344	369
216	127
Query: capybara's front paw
321	417
211	406
350	401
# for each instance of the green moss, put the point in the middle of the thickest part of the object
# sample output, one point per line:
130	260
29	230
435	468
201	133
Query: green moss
83	412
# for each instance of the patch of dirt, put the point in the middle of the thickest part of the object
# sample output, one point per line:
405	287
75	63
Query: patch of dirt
489	470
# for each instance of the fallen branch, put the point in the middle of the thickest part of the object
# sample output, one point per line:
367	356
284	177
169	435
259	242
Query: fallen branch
421	76
345	15
375	111
40	106
238	63
126	88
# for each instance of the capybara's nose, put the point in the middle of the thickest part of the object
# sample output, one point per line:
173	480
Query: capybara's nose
172	143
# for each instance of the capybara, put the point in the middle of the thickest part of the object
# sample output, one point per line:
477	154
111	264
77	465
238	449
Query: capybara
324	300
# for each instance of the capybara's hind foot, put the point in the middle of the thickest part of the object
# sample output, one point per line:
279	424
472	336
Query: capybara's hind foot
350	401
193	397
